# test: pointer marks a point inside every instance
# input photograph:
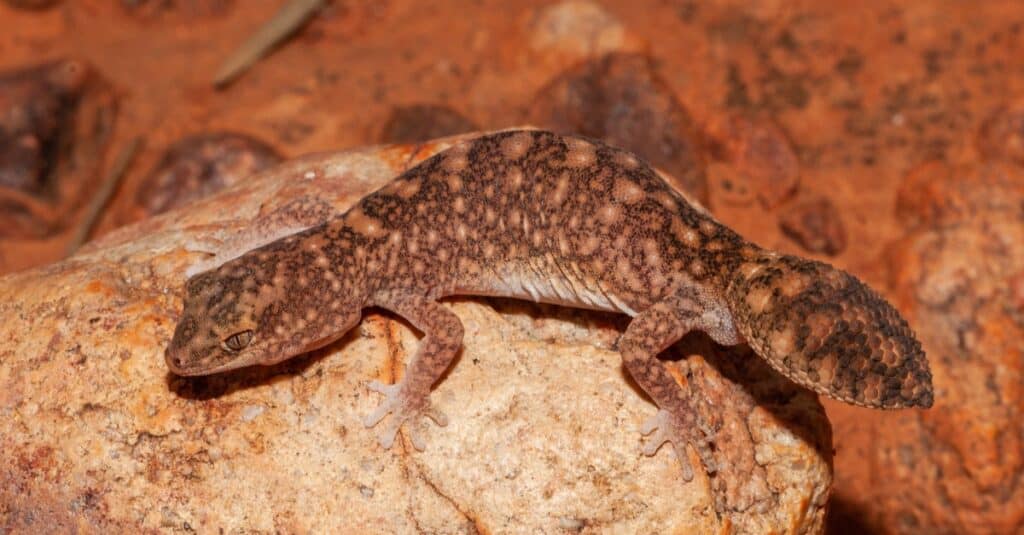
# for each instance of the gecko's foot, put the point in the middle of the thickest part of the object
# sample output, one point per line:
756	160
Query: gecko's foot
667	427
404	407
207	245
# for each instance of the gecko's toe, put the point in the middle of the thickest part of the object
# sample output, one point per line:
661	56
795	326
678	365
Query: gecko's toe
664	427
654	425
386	437
404	408
437	415
383	388
386	407
416	437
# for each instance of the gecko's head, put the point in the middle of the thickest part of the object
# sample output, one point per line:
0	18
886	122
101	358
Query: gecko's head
218	327
828	331
246	313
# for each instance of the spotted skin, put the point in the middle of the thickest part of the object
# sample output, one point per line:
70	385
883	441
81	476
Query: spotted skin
560	219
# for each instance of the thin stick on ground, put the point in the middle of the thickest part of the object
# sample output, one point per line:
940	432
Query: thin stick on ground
99	201
284	23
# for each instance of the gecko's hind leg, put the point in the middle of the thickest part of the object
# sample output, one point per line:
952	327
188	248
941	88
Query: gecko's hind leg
679	419
409	400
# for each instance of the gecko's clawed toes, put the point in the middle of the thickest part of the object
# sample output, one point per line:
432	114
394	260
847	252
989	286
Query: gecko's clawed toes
404	408
664	427
386	437
204	244
416	437
435	414
383	388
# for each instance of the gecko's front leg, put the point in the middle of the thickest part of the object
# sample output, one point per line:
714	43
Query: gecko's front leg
679	419
409	399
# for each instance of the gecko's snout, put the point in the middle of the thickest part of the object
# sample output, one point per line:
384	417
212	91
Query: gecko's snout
826	330
175	363
178	356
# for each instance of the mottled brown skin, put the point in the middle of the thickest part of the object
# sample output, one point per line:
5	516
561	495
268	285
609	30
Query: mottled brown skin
560	219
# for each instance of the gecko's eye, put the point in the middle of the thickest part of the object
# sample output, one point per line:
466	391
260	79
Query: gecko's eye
238	341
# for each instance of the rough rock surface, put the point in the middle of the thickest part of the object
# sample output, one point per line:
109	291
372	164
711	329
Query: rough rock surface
55	124
957	274
96	436
198	166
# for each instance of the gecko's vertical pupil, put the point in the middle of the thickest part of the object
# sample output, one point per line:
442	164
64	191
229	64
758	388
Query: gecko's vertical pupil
238	341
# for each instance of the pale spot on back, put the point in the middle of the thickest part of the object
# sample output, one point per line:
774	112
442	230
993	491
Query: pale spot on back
626	160
561	190
454	183
514	177
626	191
538	238
666	200
750	270
759	299
792	283
563	245
782	342
455	159
687	235
651	253
826	368
589	245
581	154
697	268
610	214
516	146
364	224
407	188
819	326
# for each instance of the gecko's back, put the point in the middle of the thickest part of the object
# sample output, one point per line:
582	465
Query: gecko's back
535	215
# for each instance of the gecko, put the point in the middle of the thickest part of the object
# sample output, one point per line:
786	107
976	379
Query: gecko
561	219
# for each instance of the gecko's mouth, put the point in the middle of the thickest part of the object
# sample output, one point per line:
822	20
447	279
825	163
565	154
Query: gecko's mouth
180	364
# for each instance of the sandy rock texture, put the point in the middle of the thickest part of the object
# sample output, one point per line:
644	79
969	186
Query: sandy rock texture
816	125
97	436
959	275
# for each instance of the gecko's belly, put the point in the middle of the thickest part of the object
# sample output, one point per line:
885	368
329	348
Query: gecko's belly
565	288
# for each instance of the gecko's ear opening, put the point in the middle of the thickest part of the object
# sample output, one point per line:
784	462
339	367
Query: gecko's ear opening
829	332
